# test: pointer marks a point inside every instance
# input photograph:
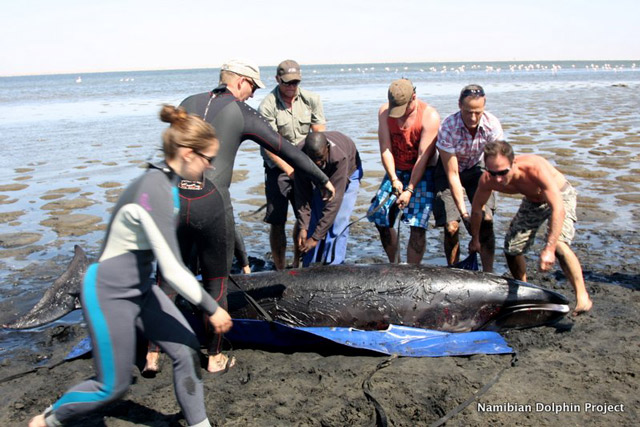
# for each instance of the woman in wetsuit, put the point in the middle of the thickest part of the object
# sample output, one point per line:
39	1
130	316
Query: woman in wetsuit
117	293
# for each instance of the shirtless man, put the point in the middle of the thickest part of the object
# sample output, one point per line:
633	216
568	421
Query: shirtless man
547	195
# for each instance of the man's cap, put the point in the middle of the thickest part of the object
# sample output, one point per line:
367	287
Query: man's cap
244	68
400	93
289	70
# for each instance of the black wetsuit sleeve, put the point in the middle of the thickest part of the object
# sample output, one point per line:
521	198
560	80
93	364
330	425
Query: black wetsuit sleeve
257	129
303	189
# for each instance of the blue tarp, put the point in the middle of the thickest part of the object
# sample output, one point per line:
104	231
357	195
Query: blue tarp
400	340
80	349
469	263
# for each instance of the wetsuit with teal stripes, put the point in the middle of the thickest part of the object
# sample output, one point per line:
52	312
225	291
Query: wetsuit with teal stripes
206	215
118	298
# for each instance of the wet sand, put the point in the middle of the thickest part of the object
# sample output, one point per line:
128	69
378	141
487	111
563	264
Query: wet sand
563	372
577	365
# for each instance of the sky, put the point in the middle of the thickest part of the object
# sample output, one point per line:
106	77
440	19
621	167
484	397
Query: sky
71	36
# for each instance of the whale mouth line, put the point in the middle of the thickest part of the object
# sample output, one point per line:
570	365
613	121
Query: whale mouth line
557	308
509	317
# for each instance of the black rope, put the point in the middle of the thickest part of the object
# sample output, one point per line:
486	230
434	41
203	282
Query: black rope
253	302
31	371
333	249
252	213
397	255
381	416
455	411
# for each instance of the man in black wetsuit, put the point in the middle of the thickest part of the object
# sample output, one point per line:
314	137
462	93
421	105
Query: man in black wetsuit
206	216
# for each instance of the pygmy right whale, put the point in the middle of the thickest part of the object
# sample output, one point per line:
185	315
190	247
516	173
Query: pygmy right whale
368	297
371	297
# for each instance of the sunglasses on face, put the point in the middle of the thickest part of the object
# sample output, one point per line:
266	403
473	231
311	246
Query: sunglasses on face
209	159
253	84
472	92
503	172
291	83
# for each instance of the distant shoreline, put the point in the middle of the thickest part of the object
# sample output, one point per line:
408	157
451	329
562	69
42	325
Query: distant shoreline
355	64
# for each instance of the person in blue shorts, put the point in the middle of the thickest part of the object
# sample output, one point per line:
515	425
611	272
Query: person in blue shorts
407	131
118	296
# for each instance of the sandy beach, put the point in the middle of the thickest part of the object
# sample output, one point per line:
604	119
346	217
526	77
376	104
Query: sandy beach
582	371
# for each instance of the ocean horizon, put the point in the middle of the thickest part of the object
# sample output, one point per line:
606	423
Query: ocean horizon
612	62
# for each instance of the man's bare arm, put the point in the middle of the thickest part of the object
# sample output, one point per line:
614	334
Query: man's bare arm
386	156
483	192
550	192
426	148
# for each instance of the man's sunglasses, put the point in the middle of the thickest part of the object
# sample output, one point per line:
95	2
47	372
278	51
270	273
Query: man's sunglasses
291	83
472	92
503	172
253	84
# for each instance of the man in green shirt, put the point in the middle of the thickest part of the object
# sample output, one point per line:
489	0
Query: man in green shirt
293	112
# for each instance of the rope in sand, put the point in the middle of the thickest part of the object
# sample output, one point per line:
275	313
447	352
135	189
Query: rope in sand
381	416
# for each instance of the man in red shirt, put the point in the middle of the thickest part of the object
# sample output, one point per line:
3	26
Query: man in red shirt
407	132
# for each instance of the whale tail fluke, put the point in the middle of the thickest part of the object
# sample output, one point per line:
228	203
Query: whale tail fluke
58	300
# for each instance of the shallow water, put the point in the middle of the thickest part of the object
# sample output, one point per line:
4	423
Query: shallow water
70	148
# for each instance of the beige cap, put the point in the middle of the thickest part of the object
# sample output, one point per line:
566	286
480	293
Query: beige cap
289	70
400	93
244	68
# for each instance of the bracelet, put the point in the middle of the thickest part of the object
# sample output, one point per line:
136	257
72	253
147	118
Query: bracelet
410	190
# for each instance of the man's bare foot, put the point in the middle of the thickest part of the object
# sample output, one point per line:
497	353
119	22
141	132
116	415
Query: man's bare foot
153	364
582	307
220	363
37	421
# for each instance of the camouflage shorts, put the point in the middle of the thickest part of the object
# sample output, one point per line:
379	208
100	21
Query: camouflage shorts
530	216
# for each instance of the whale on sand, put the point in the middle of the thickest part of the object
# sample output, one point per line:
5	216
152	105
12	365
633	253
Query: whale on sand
368	297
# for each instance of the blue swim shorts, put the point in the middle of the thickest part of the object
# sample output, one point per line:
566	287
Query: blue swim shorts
416	214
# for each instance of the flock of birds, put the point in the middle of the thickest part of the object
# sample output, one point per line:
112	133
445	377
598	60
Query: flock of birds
462	68
492	69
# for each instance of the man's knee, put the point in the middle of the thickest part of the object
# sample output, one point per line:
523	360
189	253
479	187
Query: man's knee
487	237
385	233
563	251
277	229
451	228
511	253
417	239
